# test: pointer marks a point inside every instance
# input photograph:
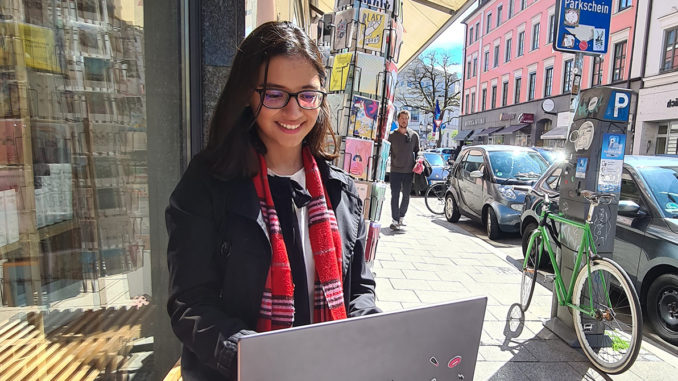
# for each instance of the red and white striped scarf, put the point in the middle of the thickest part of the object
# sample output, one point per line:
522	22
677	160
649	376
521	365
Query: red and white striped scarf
277	303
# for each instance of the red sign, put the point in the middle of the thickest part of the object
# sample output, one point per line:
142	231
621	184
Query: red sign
526	118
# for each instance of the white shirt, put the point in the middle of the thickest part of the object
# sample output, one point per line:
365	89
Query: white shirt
302	218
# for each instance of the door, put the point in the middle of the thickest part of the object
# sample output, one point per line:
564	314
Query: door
471	189
630	231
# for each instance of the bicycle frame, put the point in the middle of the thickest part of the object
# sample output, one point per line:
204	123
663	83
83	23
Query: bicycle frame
585	245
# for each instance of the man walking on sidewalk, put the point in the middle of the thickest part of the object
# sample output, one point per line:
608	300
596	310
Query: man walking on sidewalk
404	149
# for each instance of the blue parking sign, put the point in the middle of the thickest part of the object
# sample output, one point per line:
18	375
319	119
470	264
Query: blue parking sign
583	26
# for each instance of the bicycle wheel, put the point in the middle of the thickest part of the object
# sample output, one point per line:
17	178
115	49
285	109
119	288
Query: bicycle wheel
530	266
435	198
611	337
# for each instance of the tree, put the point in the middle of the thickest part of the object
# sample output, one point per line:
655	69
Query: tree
429	78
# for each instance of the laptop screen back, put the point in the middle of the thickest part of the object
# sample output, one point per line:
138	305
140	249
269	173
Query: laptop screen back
426	343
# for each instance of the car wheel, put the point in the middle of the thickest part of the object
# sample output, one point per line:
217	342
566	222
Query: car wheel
491	224
451	210
662	307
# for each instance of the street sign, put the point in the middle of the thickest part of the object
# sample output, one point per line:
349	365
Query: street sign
583	26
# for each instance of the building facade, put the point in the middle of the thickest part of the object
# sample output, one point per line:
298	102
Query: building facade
657	118
517	89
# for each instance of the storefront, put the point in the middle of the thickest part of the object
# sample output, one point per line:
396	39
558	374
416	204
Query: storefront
657	119
524	124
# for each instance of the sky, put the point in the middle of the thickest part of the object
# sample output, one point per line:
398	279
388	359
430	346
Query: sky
452	41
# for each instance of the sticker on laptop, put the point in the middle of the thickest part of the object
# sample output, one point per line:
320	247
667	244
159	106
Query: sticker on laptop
454	362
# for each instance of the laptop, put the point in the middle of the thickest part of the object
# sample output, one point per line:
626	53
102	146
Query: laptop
436	342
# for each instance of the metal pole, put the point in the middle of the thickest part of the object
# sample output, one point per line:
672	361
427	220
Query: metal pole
576	81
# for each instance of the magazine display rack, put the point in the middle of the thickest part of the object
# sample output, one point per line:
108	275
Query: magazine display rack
361	41
73	186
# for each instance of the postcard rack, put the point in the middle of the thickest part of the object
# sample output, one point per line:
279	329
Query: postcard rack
361	42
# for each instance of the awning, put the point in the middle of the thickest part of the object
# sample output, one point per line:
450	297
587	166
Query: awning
423	22
556	133
488	131
463	135
511	129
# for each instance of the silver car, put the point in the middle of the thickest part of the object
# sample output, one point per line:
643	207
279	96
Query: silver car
488	184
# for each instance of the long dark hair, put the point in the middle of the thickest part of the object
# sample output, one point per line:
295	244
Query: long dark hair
233	139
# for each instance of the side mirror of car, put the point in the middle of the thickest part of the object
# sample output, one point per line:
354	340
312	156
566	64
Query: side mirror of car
476	174
628	208
450	161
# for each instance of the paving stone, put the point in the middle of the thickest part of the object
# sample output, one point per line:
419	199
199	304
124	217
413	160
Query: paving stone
498	371
506	354
551	371
410	284
397	296
389	274
397	265
418	274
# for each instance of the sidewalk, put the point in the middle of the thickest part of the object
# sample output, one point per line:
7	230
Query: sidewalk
434	261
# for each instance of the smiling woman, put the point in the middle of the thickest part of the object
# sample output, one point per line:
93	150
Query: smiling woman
264	234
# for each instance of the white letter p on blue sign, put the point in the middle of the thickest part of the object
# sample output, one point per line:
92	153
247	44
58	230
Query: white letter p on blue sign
621	101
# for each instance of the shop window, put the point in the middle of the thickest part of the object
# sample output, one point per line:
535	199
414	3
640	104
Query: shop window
74	191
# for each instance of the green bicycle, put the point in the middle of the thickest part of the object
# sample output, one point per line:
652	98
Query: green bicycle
608	321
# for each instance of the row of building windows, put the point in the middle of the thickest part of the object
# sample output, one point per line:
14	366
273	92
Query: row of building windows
596	73
472	70
474	31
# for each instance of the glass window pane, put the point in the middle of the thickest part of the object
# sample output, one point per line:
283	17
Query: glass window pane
74	195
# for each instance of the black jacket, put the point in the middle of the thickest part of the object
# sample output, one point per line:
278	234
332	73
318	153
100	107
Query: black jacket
219	256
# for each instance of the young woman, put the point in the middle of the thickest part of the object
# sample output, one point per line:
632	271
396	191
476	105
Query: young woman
263	233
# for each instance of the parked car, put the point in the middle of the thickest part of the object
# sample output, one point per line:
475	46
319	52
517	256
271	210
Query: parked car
646	242
550	154
488	184
446	153
438	173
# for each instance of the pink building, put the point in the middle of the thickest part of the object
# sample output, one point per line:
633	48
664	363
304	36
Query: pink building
516	87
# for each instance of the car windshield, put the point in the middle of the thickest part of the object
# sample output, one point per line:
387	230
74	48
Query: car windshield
434	159
519	165
663	183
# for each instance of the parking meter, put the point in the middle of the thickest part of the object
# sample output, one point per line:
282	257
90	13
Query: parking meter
595	147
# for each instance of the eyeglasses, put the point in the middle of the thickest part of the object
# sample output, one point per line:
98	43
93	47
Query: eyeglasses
276	99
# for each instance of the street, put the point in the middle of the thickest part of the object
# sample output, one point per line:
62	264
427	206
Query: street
433	260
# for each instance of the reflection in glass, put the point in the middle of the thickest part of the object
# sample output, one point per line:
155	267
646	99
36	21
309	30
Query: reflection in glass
75	281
